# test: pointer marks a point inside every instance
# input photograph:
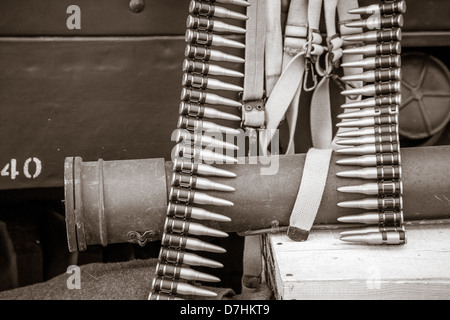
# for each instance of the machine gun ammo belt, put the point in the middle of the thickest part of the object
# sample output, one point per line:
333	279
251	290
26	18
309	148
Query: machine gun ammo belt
190	179
372	144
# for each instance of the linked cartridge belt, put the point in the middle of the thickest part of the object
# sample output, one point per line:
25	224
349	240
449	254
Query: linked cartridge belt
376	137
190	183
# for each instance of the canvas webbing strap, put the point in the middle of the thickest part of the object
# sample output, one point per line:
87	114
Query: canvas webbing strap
252	97
253	118
285	94
317	160
274	45
310	193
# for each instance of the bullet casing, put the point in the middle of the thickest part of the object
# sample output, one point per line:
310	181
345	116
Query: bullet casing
384	35
210	10
186	180
391	188
185	166
367	149
369	121
197	154
368	139
380	173
185	227
382	204
162	296
209	39
379	159
203	82
177	287
182	242
243	3
199	96
375	75
386	8
370	50
199	125
371	230
181	257
183	211
381	88
205	68
392	218
370	112
196	138
197	110
210	25
391	61
389	237
206	54
394	99
378	22
189	196
176	272
391	129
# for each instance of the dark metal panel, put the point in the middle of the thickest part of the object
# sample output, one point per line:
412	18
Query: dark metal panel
99	17
111	99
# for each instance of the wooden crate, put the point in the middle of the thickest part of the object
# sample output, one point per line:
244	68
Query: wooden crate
326	268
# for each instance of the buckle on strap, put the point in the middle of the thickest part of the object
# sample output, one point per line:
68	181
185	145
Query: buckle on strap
274	228
253	113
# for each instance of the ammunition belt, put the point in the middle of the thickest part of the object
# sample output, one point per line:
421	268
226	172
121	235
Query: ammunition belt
175	277
373	142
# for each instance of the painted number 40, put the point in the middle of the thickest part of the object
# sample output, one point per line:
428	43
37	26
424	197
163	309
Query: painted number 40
29	170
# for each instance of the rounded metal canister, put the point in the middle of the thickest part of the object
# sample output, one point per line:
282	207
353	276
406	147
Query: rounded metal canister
114	201
425	109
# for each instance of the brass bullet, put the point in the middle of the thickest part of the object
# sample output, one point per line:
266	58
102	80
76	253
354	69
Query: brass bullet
384	35
368	160
206	54
209	39
199	96
198	139
184	165
210	10
187	180
181	226
197	110
190	196
206	68
186	211
203	82
210	25
182	242
370	50
181	257
385	8
393	99
177	287
177	272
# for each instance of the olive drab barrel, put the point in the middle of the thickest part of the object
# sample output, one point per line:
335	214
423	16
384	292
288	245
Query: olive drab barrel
132	196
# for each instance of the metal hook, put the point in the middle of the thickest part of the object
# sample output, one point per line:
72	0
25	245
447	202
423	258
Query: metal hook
308	69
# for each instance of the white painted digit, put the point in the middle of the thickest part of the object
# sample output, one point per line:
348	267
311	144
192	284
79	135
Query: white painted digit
26	169
14	172
5	171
